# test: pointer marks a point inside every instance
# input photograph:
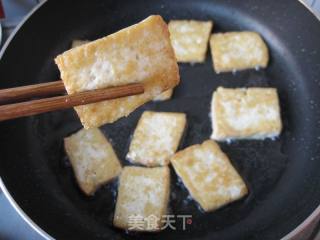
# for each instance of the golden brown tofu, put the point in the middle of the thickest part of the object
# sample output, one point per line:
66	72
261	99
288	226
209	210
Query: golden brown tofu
141	53
239	113
92	158
189	39
208	175
156	138
143	196
237	51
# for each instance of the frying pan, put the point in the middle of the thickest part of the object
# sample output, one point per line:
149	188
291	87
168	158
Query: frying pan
282	174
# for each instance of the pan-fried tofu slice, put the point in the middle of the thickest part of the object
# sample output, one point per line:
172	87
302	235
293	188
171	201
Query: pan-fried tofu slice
237	51
208	175
143	196
189	39
77	43
164	96
92	158
140	53
156	138
240	113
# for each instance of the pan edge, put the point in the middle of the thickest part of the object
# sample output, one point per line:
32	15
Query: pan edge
312	217
5	191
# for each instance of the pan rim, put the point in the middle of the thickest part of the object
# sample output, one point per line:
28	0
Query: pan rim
316	213
5	191
22	214
297	230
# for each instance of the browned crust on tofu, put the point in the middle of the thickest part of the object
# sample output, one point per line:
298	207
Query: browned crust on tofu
73	148
184	50
186	157
150	145
120	218
250	97
238	60
162	75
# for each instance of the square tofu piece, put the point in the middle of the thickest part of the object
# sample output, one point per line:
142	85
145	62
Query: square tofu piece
143	196
252	113
92	158
140	53
77	43
164	96
238	50
156	138
208	175
190	39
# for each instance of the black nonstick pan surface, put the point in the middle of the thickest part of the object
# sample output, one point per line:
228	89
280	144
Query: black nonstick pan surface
283	175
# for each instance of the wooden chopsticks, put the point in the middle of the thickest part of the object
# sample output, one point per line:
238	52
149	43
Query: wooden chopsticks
35	90
16	110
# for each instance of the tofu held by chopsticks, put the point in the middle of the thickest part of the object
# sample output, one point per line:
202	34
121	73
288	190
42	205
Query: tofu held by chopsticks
141	53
